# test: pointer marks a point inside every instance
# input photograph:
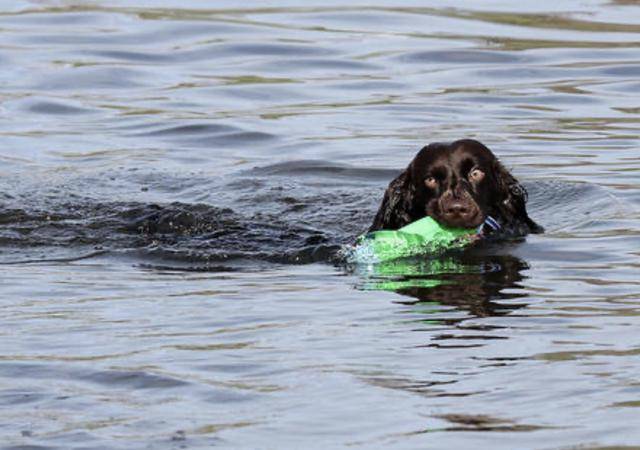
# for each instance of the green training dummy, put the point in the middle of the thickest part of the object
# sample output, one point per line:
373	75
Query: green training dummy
420	237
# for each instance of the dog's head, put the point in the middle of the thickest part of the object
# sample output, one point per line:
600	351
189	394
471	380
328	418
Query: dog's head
458	184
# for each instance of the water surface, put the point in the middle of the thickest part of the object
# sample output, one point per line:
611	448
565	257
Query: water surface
175	179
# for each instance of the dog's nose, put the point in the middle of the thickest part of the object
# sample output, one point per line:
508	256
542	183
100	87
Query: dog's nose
457	209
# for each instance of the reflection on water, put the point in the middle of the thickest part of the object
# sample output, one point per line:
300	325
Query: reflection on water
175	181
468	281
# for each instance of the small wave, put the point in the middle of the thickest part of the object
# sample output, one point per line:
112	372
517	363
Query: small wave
317	168
193	129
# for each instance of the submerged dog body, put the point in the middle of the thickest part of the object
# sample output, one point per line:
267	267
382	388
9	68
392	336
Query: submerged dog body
459	184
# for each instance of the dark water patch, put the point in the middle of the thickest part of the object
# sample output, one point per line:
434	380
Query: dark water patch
318	64
241	139
230	397
628	70
525	73
424	387
380	85
9	397
620	86
514	44
213	52
324	169
208	135
429	389
251	94
197	129
482	99
461	57
57	108
72	40
45	17
279	49
546	103
90	78
131	379
139	57
123	35
470	422
32	447
562	99
365	17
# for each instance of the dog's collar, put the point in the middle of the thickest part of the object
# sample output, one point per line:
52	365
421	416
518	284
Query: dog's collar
491	224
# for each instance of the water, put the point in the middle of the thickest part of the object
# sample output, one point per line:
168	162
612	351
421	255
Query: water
175	180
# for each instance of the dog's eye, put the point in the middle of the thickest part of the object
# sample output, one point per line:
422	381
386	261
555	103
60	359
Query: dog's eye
476	175
431	182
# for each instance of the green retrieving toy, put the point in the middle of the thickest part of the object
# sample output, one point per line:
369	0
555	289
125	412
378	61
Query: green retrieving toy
420	237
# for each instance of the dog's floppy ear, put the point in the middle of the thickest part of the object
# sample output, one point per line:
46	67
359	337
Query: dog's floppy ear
397	205
513	197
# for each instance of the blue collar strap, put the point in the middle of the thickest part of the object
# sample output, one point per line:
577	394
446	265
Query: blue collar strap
491	223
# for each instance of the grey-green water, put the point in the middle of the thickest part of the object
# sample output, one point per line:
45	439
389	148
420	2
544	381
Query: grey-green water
175	176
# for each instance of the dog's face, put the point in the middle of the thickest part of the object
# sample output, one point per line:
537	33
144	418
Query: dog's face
456	184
